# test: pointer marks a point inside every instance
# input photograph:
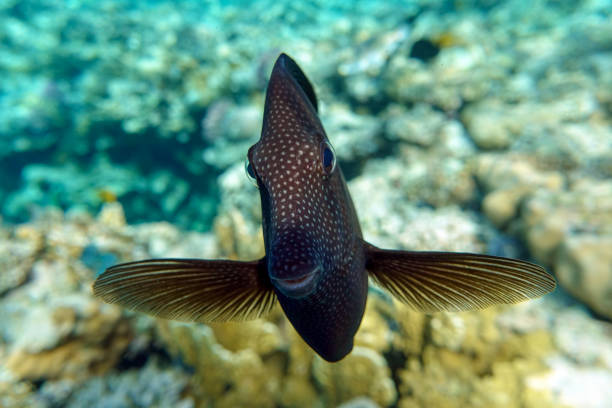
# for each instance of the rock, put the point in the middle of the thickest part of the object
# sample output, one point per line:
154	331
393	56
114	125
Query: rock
420	125
362	87
575	386
151	385
489	127
494	125
549	217
112	216
583	266
17	255
417	177
14	394
500	206
586	354
238	223
371	56
585	341
359	402
230	130
380	198
97	339
507	180
354	137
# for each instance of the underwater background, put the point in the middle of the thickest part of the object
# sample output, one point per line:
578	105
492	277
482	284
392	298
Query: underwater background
481	126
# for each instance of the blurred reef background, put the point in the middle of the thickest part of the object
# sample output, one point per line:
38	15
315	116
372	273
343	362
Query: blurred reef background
481	126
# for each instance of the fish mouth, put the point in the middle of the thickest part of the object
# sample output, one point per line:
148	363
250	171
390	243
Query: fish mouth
298	287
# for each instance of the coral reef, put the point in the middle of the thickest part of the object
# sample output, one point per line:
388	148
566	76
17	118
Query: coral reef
153	385
53	327
18	251
73	345
573	229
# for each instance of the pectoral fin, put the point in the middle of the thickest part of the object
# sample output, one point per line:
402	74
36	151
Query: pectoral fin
190	289
448	281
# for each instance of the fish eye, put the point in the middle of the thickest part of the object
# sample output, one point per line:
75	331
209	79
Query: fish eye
250	171
328	158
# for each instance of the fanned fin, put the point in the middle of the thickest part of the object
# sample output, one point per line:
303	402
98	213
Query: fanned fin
190	289
449	281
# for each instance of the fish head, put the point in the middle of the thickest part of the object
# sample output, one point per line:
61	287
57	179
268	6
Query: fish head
295	168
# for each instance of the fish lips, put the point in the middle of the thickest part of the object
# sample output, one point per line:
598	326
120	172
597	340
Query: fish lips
300	286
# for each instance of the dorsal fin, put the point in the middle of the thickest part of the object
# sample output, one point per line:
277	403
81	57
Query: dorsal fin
296	73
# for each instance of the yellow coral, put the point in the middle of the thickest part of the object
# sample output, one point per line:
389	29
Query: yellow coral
364	372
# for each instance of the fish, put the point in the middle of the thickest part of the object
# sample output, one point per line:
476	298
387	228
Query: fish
317	265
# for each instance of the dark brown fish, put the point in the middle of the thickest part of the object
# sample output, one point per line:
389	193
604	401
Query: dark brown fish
317	263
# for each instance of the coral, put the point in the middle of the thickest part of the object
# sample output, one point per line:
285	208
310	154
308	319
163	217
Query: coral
53	329
248	361
556	221
382	197
17	254
575	386
494	125
564	216
228	378
473	361
579	376
355	137
238	223
584	267
54	334
71	339
14	394
507	180
418	126
372	53
230	129
364	369
359	402
150	386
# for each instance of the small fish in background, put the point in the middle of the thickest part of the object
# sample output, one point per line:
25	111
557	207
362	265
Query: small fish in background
317	263
106	195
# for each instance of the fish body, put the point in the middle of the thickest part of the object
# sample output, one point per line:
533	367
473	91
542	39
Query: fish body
317	264
312	235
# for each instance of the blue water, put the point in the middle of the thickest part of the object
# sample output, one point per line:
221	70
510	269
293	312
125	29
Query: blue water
110	97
